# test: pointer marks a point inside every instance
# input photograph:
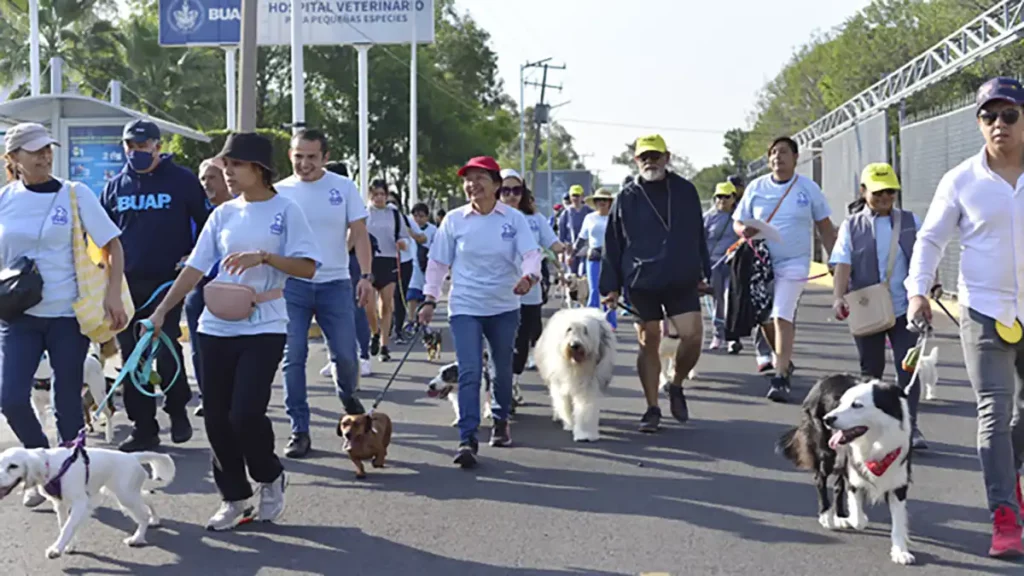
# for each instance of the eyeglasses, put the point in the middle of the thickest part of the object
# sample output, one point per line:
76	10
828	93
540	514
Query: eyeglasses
879	193
650	156
1009	116
511	190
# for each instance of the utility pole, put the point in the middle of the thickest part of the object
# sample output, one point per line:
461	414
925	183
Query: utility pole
540	116
247	76
522	112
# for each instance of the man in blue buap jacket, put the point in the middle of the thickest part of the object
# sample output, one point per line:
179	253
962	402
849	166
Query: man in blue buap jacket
155	203
655	250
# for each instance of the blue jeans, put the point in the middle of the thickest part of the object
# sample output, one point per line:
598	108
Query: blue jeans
333	305
194	306
593	276
469	332
362	325
22	342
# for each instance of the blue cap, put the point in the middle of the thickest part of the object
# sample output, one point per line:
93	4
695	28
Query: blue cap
1000	88
141	130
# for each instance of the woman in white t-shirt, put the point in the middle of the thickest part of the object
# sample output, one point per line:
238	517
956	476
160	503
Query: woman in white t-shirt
385	223
592	234
260	239
35	223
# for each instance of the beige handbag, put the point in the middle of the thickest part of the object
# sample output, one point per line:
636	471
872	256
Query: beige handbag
871	309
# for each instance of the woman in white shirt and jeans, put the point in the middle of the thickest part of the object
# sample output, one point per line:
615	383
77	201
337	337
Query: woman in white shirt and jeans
592	234
260	239
35	222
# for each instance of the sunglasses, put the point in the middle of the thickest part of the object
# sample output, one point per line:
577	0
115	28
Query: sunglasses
1009	116
511	191
650	156
880	193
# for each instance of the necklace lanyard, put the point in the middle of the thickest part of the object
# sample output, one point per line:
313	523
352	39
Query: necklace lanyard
667	225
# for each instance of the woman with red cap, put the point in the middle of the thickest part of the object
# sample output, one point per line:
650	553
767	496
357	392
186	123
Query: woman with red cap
494	260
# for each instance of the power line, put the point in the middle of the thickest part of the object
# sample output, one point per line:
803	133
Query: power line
642	126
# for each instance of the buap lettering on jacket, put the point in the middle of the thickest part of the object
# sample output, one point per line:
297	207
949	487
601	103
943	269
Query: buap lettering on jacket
143	202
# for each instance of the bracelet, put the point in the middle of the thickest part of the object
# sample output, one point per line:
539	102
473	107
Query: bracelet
431	303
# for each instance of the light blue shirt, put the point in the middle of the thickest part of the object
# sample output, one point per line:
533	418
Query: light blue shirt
843	250
277	226
418	277
484	253
795	219
593	228
545	237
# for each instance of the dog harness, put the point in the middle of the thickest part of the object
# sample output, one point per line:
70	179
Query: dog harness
77	447
878	467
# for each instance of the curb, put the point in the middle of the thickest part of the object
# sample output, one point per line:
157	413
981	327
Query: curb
826	282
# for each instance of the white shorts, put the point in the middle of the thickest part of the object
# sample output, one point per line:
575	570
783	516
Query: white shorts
787	293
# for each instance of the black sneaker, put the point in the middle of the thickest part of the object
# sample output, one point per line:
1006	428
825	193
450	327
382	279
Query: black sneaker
501	434
678	403
181	428
353	406
465	456
298	446
651	420
385	355
778	390
374	344
735	347
139	443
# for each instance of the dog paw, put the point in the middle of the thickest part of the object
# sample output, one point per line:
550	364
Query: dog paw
135	541
585	437
663	387
901	556
828	520
858	523
929	395
360	475
455	423
375	465
53	552
693	375
567	426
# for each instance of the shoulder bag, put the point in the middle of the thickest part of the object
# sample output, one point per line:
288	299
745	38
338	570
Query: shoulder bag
21	284
92	278
871	309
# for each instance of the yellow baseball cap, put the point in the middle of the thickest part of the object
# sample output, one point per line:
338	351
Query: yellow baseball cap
575	190
651	143
725	189
879	176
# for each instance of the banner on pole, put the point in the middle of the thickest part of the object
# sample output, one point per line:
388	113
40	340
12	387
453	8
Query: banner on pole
325	22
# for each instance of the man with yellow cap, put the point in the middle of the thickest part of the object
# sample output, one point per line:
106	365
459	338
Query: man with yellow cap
655	250
720	236
569	224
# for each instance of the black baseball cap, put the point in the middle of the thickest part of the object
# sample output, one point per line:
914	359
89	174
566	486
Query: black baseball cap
140	130
1000	88
737	181
249	147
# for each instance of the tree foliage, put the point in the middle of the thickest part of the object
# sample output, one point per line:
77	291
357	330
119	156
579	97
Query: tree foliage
679	164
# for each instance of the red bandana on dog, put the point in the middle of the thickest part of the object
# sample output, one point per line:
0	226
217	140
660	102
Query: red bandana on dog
878	467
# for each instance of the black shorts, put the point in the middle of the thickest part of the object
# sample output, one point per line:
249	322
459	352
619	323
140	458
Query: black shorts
654	305
385	271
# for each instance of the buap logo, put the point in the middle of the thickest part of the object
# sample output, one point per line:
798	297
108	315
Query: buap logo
533	225
185	16
278	226
60	216
802	199
335	197
508	231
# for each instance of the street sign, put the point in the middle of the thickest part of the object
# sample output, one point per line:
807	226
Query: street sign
325	22
561	180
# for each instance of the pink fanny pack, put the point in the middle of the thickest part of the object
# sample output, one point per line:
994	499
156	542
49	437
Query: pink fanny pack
235	302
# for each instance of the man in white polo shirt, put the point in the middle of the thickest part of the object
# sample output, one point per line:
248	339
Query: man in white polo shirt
982	199
334	209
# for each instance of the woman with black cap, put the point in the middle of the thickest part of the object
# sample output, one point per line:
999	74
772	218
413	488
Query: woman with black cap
260	239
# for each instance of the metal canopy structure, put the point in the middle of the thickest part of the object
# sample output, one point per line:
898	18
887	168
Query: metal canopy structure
998	26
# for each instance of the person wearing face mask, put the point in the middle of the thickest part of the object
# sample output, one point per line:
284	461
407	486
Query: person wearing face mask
217	193
655	250
154	203
861	258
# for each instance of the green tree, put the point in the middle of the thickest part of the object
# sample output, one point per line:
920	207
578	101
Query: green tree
734	140
706	179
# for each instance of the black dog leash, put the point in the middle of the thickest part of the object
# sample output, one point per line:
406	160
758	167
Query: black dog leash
412	343
936	294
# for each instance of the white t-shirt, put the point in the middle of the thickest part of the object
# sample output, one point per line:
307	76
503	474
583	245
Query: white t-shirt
329	204
381	223
593	229
418	277
22	214
277	226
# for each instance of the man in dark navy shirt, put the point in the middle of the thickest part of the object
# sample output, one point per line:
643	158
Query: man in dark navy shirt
155	203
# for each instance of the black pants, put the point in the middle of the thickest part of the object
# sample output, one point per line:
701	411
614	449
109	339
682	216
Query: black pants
530	326
871	350
141	409
238	374
399	316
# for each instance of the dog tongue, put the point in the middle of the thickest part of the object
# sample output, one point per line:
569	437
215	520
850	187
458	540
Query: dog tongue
836	438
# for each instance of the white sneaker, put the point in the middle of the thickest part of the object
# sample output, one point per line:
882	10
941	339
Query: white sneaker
272	499
365	367
32	497
530	364
325	372
230	515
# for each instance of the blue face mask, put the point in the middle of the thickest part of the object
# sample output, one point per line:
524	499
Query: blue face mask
140	160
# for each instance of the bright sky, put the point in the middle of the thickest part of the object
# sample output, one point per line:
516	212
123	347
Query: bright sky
689	69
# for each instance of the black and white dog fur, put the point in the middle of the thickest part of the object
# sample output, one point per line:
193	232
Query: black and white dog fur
858	431
447	381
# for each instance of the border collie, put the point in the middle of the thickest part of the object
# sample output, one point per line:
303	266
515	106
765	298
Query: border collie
858	431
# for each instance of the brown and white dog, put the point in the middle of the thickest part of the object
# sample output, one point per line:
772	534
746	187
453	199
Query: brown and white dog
366	437
667	352
94	388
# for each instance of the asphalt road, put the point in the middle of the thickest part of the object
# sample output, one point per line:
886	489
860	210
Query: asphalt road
708	497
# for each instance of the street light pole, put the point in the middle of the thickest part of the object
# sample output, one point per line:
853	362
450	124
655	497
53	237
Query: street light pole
247	61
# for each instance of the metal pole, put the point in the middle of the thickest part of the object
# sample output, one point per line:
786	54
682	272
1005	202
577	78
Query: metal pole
364	119
231	87
414	179
522	122
56	75
298	81
115	92
549	160
33	40
247	60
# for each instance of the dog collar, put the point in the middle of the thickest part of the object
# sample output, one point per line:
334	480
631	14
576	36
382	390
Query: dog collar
878	467
52	487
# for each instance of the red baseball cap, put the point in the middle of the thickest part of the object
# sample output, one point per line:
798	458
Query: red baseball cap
482	162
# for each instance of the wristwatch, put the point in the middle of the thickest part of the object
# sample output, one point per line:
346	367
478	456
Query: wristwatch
368	277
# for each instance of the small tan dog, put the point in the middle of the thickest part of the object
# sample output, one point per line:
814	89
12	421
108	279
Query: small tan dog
576	291
367	437
667	353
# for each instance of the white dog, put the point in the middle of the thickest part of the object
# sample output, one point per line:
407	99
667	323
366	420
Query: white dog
667	352
78	489
928	373
576	358
93	392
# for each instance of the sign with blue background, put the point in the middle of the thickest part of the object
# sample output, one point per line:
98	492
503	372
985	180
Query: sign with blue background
95	155
324	22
